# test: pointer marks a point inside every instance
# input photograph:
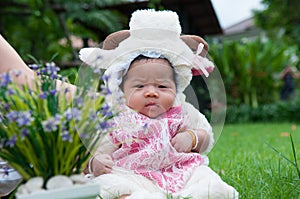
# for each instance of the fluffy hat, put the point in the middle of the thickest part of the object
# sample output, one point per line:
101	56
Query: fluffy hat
155	34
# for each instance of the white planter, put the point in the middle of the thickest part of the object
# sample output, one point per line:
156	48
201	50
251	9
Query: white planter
86	191
9	179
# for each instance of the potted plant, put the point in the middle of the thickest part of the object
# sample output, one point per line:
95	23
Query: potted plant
45	133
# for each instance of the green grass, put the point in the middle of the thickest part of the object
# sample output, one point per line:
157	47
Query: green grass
258	160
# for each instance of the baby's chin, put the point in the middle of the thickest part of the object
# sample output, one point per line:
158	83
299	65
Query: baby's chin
152	115
151	112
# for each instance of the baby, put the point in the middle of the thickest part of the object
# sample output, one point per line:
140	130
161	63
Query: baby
159	139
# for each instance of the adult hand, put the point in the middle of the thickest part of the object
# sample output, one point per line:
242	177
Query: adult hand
101	164
182	142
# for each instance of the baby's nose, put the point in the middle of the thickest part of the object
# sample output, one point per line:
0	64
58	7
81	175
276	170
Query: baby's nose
151	92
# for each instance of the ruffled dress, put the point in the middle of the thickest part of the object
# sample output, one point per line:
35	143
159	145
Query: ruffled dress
145	148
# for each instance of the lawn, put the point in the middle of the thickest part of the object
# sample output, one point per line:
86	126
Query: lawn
245	157
258	160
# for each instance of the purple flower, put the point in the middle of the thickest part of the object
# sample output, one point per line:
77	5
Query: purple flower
57	118
12	116
24	132
10	92
68	114
105	90
72	113
78	101
66	136
97	71
83	135
43	96
11	143
104	125
5	79
34	66
51	70
6	106
91	95
50	125
105	111
24	119
66	90
53	76
53	92
21	118
105	78
105	108
93	115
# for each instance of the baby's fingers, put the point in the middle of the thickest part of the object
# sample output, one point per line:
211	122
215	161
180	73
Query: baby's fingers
176	145
107	160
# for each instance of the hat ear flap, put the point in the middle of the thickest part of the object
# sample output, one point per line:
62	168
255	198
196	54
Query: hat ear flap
193	41
97	56
113	40
200	48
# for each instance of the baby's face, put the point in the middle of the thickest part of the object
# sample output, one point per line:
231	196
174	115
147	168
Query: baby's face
149	87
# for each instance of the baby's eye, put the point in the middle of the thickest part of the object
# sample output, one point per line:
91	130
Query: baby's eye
162	86
139	86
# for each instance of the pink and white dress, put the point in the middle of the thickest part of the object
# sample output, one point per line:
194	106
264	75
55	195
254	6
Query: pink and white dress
145	148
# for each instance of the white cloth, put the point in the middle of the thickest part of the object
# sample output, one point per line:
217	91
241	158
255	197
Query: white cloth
204	184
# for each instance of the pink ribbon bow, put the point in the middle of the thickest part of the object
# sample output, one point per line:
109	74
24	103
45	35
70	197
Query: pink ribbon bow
200	63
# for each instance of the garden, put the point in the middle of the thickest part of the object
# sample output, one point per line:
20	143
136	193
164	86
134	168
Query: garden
258	151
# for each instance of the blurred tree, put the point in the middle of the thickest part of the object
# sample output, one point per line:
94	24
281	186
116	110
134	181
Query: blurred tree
249	68
280	19
44	27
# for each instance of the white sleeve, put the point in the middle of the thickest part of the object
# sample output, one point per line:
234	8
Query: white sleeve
193	119
106	146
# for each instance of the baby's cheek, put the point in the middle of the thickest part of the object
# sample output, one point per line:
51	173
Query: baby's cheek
170	102
133	103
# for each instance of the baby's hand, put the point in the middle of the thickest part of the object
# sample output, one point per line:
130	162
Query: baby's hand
182	142
101	164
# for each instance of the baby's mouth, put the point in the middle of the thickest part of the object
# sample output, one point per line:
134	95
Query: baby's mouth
150	104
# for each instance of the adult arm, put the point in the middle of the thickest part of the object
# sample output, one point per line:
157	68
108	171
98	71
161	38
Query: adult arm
11	61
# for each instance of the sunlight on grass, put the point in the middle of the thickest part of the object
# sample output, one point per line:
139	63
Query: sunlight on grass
244	156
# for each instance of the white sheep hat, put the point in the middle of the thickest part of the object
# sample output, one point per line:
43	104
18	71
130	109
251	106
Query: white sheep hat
154	34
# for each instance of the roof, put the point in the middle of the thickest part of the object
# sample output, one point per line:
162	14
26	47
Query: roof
242	29
196	16
242	26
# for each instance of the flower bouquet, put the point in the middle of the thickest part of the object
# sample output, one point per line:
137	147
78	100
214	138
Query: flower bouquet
45	130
